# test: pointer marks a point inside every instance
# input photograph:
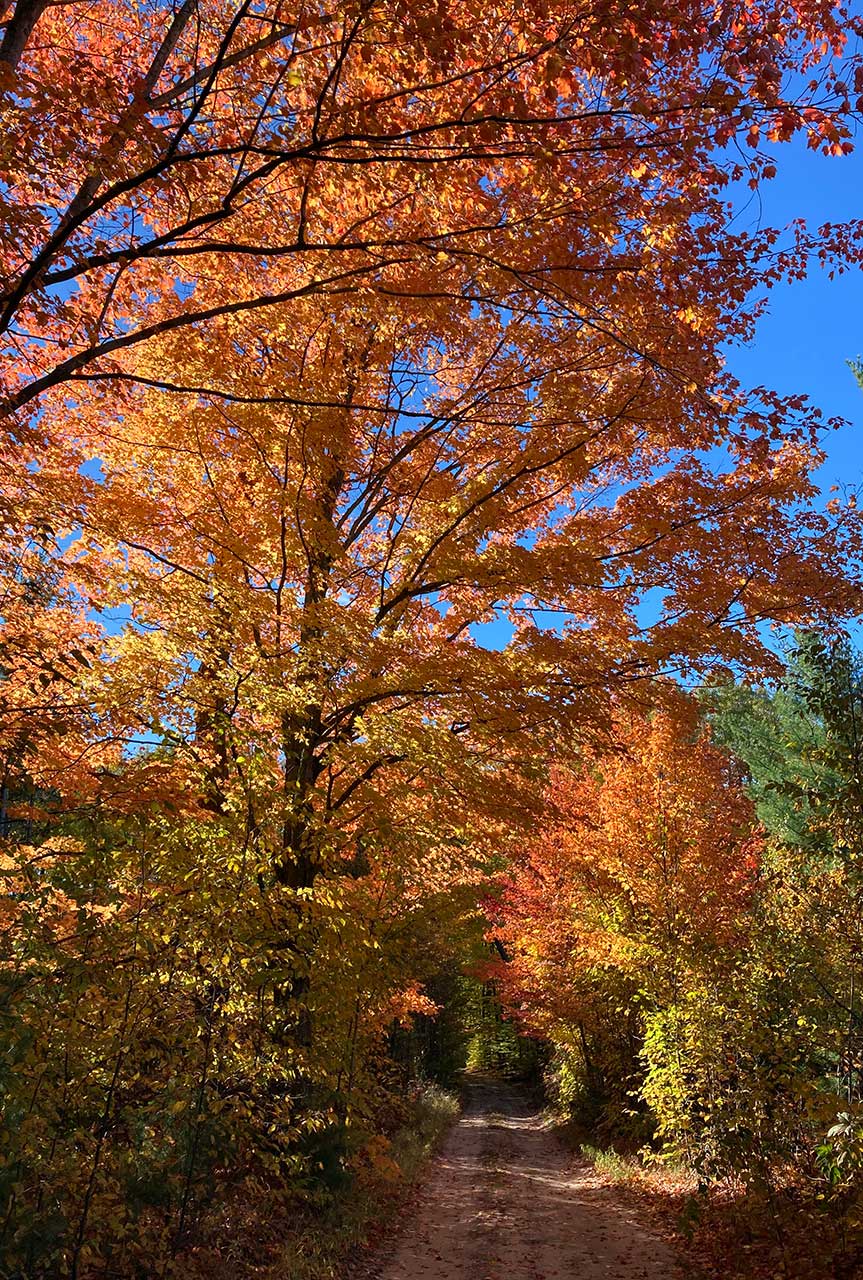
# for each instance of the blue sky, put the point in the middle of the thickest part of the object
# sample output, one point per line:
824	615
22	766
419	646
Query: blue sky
814	326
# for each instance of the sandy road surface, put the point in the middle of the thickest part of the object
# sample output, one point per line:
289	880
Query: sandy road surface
505	1201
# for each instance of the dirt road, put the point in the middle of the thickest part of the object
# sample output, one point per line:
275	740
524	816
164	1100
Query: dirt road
505	1201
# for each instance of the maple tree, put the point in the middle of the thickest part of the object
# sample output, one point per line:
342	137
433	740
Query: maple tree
508	282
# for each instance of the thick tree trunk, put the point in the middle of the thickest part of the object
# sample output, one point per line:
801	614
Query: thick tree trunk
298	862
19	30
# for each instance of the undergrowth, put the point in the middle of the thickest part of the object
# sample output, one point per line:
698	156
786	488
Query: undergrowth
730	1232
611	1164
283	1238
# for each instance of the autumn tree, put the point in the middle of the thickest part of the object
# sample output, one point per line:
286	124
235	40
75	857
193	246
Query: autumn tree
483	376
621	919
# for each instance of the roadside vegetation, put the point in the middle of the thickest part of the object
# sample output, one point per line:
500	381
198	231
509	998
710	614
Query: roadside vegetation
686	934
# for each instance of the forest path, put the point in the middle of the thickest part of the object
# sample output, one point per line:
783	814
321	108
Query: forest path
505	1201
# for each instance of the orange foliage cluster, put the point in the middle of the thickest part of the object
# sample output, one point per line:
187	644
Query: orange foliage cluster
645	865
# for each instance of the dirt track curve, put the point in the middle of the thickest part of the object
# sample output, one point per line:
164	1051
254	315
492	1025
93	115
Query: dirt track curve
505	1201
